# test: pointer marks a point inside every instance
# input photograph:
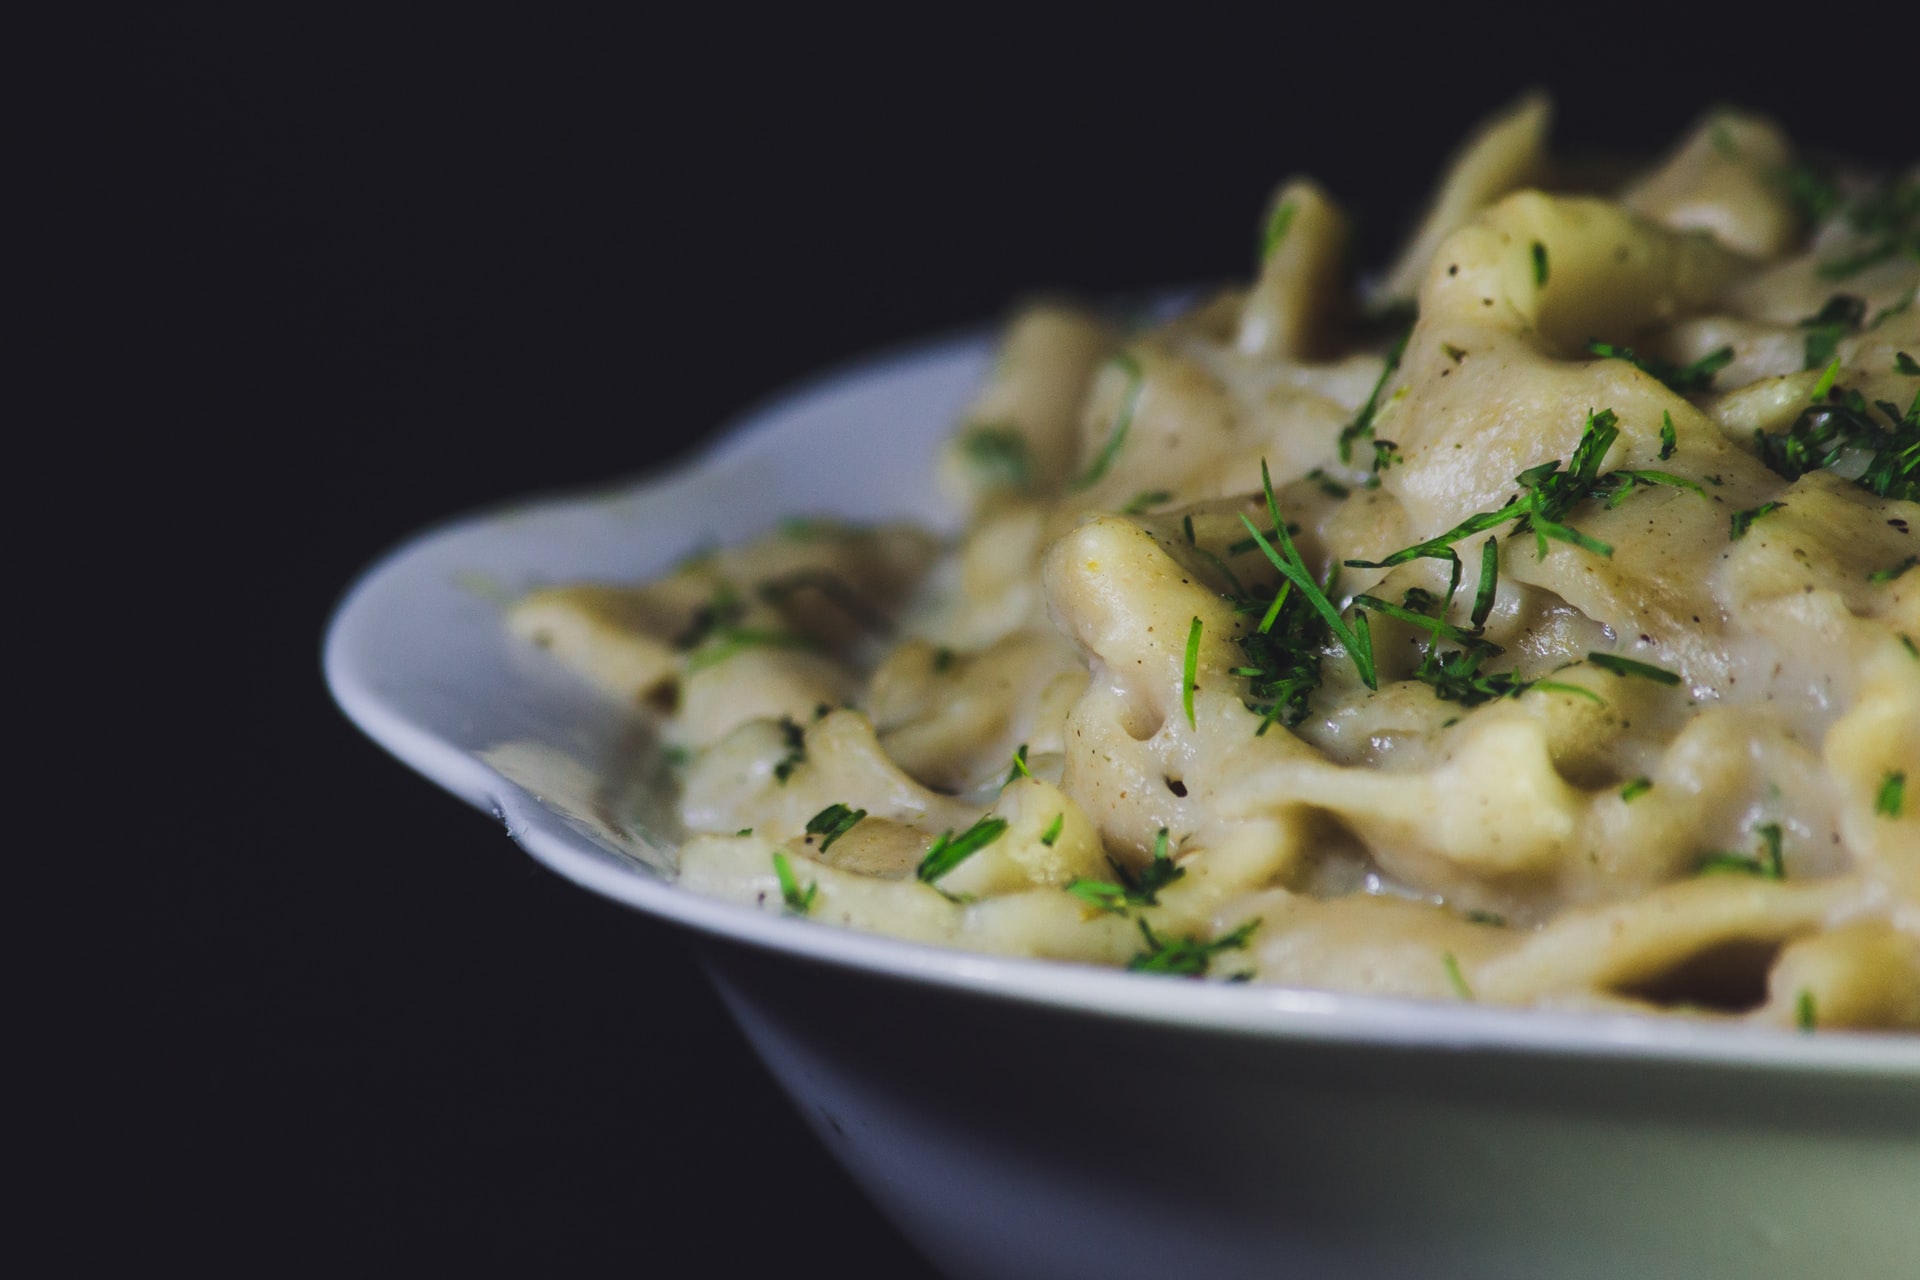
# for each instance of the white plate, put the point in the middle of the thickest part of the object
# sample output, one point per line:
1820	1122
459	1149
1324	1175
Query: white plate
1338	1134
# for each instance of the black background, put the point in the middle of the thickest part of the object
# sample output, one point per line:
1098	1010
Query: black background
357	273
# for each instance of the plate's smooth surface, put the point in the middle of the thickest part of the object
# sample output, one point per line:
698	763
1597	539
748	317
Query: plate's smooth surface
1632	1142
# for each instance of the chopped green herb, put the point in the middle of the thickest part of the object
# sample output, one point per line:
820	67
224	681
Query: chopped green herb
1361	428
1052	834
1741	521
1328	485
1276	229
1489	581
677	756
1899	308
1561	686
1019	769
1887	802
1186	525
1190	671
1455	979
1669	438
999	456
1628	667
798	902
1904	363
1842	314
1141	502
1767	864
1635	789
949	851
1825	384
1455	354
1357	639
1813	193
1803	1011
1684	378
1839	423
805	528
1492	918
1888	575
1124	891
1539	265
942	660
796	740
1547	495
833	822
1130	401
728	642
1186	957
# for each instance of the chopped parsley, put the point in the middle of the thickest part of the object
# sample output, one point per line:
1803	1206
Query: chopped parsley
1141	502
1766	864
1276	229
1683	378
833	822
1130	401
1051	835
1888	575
1635	789
1455	979
1186	957
1628	667
1843	314
1539	265
1361	428
1888	801
949	851
1804	1016
796	740
798	902
1740	521
1190	672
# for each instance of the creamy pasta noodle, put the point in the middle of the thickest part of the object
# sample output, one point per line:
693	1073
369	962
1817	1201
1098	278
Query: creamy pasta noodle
1535	627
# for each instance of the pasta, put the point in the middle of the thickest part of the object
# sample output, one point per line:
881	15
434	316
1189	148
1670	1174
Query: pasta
1538	628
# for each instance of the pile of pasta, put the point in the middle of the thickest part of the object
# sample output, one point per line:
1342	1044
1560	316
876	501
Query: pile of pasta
1537	627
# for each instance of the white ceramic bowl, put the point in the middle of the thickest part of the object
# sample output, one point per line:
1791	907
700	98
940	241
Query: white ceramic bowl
1032	1119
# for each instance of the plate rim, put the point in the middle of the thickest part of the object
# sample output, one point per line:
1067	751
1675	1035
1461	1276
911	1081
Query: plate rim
1283	1014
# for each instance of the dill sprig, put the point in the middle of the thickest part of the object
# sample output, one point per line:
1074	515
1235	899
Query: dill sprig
949	850
1130	402
1766	864
833	822
1840	423
1683	378
1186	957
798	901
1115	896
1361	428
